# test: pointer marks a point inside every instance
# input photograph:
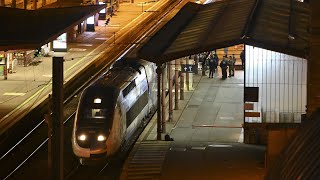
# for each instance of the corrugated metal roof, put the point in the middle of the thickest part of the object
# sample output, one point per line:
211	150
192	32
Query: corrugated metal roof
27	29
281	27
197	28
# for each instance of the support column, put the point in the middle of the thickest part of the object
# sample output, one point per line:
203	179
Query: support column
57	118
13	3
203	67
196	60
176	85
5	69
44	3
181	83
313	77
25	4
170	92
2	3
163	102
187	75
159	71
34	6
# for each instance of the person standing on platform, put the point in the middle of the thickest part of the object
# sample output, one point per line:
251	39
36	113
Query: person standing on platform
216	61
231	64
242	57
212	66
224	66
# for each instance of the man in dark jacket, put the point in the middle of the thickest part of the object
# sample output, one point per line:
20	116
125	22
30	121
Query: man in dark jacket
231	64
224	66
212	66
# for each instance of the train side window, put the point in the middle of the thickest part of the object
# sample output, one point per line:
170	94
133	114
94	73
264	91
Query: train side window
127	90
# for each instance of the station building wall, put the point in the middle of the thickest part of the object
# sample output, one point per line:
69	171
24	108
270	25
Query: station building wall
282	82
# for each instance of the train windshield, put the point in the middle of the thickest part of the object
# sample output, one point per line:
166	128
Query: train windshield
96	108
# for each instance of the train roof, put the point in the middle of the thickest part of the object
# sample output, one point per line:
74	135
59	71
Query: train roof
121	72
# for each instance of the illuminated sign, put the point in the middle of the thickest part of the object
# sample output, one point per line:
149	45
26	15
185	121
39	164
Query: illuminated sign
188	68
60	42
90	20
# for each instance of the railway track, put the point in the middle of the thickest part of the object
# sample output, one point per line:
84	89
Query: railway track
19	158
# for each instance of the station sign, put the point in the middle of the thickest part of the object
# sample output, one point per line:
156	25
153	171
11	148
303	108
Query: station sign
188	68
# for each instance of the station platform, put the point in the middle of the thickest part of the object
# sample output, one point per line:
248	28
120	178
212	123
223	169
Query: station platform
27	86
207	138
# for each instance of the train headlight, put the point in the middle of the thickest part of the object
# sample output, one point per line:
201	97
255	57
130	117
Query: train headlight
82	137
101	138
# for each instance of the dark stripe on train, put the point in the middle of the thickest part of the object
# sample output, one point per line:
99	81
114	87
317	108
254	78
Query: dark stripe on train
136	108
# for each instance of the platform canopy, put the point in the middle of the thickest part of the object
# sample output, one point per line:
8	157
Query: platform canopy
30	29
278	25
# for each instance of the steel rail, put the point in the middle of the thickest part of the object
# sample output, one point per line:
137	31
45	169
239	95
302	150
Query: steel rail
40	146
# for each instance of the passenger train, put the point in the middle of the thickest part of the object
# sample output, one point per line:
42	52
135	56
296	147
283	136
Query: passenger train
112	108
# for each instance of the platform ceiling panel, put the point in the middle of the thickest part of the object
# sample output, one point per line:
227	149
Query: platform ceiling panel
33	28
192	36
281	26
230	26
278	25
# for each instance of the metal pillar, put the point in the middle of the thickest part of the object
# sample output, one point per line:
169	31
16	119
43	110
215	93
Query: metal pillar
5	69
176	85
13	3
57	118
203	67
244	84
34	4
196	60
187	75
25	4
170	92
159	71
163	102
181	83
313	80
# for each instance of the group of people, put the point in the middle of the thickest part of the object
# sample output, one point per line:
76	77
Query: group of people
228	63
212	61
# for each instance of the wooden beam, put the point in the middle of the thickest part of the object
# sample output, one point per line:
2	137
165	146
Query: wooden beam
251	114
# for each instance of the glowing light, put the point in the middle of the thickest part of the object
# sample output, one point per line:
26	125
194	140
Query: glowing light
101	138
97	101
82	137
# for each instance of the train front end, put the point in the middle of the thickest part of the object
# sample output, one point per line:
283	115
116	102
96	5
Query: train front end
93	124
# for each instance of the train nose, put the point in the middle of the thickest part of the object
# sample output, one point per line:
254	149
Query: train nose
94	141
